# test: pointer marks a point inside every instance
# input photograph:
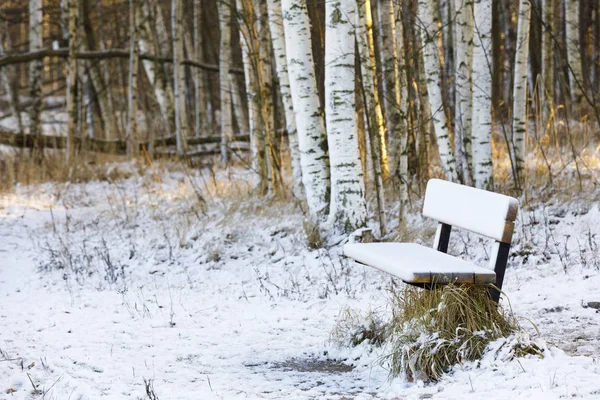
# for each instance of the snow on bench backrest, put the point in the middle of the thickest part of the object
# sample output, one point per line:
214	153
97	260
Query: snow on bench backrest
486	213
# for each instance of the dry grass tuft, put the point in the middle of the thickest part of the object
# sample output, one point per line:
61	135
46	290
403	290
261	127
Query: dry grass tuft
352	329
432	330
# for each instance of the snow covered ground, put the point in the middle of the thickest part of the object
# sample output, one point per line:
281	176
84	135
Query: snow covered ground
109	287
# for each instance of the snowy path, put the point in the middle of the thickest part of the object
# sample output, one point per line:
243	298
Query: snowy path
254	321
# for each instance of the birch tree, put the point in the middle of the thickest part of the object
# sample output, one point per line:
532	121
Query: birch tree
281	67
463	86
429	32
178	76
224	65
548	33
312	140
519	111
374	115
401	95
72	81
248	42
35	67
482	94
134	58
348	209
264	81
574	52
367	16
201	126
148	44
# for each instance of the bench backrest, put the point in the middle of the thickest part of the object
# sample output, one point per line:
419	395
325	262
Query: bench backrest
479	211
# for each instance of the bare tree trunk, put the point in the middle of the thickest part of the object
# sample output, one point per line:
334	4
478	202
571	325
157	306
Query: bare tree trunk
548	50
482	94
72	82
519	114
381	129
238	105
431	63
265	77
389	62
401	96
35	68
224	64
201	127
107	111
375	121
179	76
348	207
464	87
154	70
279	51
312	139
132	135
574	55
248	41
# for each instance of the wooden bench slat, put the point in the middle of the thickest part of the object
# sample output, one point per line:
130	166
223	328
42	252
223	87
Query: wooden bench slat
486	213
414	263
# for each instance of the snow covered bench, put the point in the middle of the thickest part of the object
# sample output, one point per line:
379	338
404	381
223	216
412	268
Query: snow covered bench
479	211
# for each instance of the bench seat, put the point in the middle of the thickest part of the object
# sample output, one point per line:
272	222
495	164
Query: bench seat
414	263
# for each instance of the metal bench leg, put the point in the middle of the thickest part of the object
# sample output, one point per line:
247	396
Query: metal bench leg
498	260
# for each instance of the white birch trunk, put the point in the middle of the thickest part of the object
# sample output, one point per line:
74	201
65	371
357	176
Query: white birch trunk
574	53
482	94
464	87
429	35
72	81
178	76
201	126
309	118
348	208
278	38
224	66
519	111
35	67
401	94
134	59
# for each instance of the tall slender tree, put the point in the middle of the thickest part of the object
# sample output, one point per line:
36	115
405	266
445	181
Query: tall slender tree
463	87
482	94
348	209
72	81
36	16
179	76
312	140
225	91
519	111
430	32
134	59
374	116
574	55
279	51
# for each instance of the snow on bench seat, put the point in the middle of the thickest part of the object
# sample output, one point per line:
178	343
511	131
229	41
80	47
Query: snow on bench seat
418	264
